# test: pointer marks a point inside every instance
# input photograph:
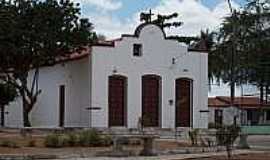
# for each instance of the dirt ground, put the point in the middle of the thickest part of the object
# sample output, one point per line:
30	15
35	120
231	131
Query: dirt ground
23	146
22	142
264	156
90	151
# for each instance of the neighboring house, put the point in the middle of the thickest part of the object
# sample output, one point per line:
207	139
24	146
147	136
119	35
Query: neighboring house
144	77
245	111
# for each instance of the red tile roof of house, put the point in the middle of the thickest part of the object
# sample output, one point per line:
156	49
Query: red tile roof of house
244	102
74	56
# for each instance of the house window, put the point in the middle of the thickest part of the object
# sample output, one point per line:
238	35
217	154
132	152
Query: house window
249	115
137	50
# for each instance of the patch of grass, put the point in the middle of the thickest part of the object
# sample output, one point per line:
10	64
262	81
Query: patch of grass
87	138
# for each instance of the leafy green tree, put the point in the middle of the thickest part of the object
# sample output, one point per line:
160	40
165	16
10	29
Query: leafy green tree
259	37
34	33
241	52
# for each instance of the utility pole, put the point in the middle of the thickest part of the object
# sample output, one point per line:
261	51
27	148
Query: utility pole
243	137
232	77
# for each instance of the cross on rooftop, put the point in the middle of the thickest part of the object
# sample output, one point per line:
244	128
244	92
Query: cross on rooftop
147	17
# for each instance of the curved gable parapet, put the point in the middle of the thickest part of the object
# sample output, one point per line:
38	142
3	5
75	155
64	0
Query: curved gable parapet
147	29
146	32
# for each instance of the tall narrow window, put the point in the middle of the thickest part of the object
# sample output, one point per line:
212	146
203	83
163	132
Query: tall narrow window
137	50
61	105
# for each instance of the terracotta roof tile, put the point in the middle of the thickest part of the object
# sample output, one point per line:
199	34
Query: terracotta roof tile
75	56
244	102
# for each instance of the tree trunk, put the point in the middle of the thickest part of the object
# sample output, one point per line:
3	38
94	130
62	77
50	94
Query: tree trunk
229	151
26	100
261	94
26	121
29	96
232	91
27	107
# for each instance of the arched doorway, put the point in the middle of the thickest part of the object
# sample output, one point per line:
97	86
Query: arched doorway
117	100
183	102
151	100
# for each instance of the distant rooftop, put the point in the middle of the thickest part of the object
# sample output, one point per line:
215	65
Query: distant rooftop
243	102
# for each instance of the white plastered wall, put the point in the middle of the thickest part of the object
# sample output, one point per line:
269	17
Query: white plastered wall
156	59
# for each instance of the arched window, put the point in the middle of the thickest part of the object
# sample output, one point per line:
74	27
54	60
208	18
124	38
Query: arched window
183	102
151	100
117	99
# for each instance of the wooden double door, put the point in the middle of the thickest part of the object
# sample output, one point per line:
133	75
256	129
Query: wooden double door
183	102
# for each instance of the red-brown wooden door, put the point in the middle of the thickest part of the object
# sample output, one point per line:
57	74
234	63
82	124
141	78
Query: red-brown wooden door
183	102
117	100
150	100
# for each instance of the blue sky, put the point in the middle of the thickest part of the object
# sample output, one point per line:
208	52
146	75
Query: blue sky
213	3
115	17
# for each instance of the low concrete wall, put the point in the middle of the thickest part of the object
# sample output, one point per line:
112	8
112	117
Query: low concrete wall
256	130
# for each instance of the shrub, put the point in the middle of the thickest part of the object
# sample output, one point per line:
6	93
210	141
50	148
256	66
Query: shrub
107	140
211	125
64	141
57	140
72	139
193	136
89	138
86	138
53	140
9	143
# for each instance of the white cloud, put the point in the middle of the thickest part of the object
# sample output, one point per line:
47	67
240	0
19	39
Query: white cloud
193	13
103	4
112	27
222	9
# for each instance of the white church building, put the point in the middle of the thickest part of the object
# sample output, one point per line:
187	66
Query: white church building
144	77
